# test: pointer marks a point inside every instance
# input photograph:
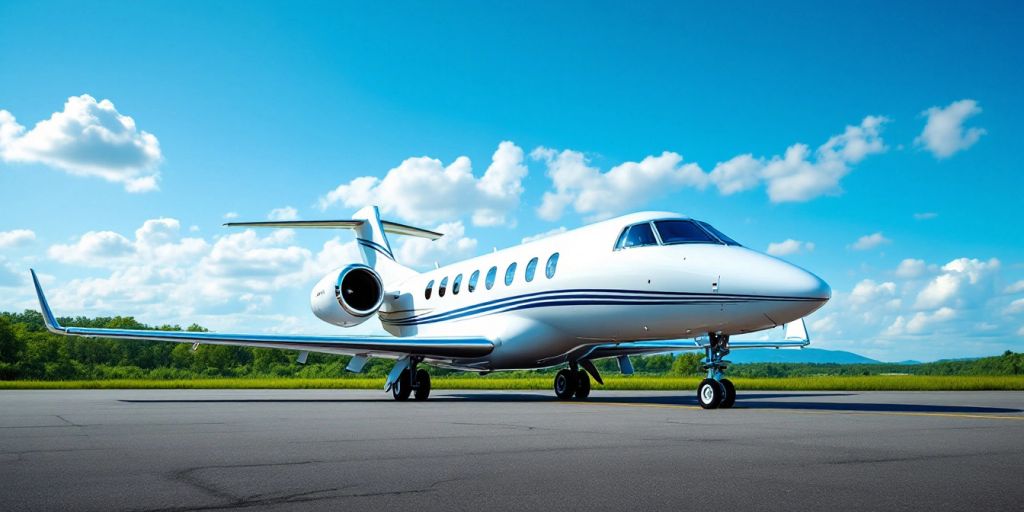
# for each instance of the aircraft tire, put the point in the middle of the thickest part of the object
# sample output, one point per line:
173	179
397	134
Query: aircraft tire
422	390
403	386
710	393
565	384
582	385
730	394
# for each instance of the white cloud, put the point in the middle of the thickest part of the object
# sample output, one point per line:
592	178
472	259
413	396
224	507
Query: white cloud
1015	307
957	277
231	215
925	216
871	241
95	248
16	238
87	138
600	195
1015	287
944	132
789	246
9	277
797	177
911	268
538	236
800	174
286	213
868	291
737	174
423	190
920	322
421	252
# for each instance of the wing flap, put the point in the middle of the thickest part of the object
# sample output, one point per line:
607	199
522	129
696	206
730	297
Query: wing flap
438	347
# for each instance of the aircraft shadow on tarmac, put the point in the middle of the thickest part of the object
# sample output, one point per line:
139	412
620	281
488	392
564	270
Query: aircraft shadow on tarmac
760	401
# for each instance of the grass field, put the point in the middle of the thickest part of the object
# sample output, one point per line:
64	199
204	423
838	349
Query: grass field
825	383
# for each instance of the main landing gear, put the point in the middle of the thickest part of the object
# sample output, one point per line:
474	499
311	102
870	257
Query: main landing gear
716	392
412	382
572	382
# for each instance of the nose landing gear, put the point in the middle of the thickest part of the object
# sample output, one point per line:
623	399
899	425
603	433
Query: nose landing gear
412	381
715	391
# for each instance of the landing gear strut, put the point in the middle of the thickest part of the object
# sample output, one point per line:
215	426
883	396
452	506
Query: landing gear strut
715	391
572	382
412	381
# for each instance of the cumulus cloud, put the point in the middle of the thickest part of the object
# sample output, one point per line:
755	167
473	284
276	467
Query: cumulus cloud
231	215
421	252
958	277
789	246
87	138
911	268
16	238
1015	307
538	236
424	190
871	241
944	133
286	213
797	176
800	174
1015	287
600	195
868	291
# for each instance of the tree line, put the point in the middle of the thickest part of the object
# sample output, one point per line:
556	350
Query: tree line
29	352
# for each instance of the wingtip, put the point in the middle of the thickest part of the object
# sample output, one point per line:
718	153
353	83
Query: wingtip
48	319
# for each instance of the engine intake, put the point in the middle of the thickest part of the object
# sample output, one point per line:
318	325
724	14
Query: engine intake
348	296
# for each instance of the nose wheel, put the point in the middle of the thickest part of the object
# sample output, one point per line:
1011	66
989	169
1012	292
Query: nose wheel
715	391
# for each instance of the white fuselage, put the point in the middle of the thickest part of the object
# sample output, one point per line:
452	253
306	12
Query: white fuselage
599	294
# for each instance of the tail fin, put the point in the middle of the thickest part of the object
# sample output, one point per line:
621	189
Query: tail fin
371	235
375	247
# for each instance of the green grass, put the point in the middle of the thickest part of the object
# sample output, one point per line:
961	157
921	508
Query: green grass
498	382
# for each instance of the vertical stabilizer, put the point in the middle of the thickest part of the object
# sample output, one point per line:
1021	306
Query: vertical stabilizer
376	249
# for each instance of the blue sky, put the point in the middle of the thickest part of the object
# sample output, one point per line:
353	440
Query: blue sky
255	107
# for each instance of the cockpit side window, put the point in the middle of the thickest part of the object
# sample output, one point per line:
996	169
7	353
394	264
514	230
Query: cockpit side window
683	232
637	235
718	234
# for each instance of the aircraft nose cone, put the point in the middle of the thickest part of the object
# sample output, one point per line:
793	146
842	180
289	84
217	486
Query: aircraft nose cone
810	286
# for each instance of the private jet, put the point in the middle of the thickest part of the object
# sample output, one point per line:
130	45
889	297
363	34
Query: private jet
642	283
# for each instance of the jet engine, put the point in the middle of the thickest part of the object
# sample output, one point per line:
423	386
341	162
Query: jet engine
347	296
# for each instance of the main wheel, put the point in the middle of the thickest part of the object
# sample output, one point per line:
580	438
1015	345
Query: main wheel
565	384
710	393
403	386
582	385
730	394
422	390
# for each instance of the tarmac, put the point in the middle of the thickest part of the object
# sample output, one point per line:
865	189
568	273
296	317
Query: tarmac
177	450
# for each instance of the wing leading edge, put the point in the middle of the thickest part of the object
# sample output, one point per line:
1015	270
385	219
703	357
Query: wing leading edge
432	347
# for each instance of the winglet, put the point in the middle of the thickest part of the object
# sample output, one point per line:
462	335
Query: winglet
48	318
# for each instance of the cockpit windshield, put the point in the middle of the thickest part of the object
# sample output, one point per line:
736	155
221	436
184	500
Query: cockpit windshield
671	232
683	232
721	236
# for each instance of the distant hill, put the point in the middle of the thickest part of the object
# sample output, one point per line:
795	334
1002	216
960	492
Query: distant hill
806	355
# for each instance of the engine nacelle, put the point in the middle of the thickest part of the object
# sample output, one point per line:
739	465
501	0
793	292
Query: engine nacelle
347	296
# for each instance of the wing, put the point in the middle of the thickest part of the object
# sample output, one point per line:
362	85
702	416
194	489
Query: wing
389	226
445	348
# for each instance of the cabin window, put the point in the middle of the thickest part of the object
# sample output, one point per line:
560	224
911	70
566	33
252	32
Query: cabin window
510	274
549	269
473	278
531	269
637	235
430	288
489	280
718	234
457	284
683	232
442	287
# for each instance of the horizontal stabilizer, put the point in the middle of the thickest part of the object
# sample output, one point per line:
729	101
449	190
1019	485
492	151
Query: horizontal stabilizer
389	226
